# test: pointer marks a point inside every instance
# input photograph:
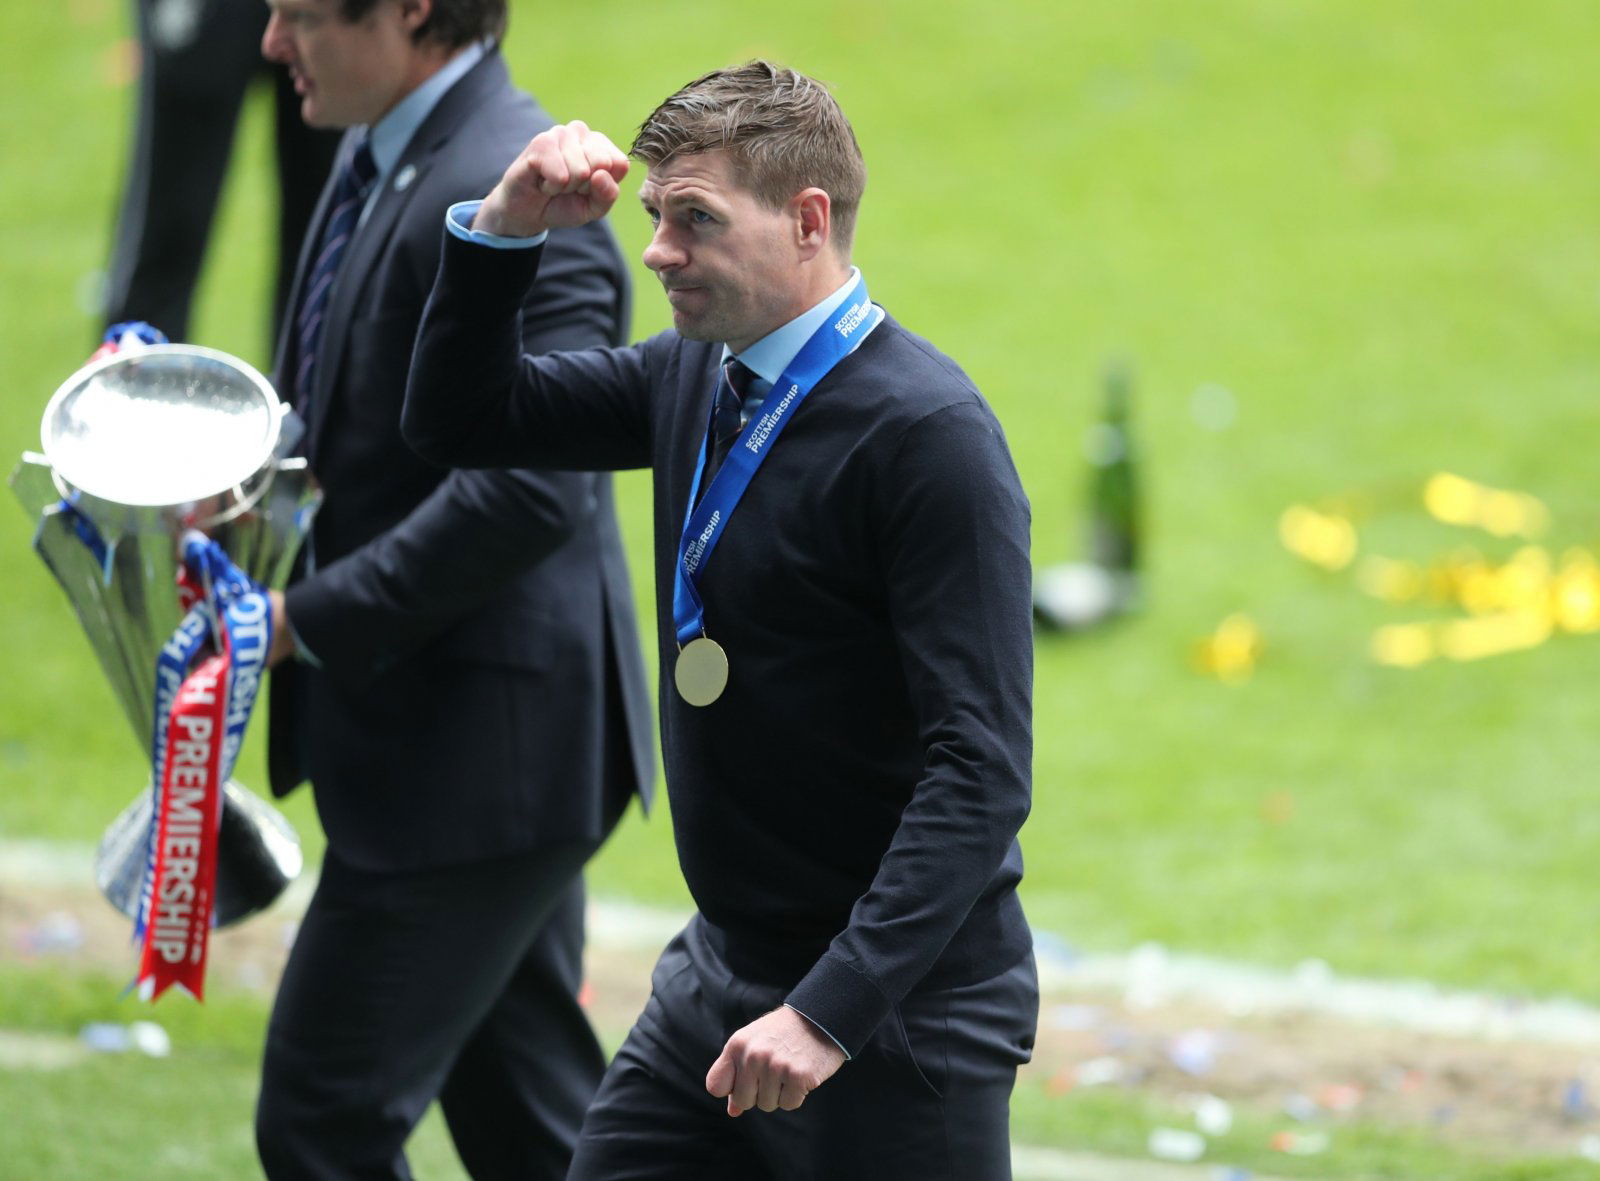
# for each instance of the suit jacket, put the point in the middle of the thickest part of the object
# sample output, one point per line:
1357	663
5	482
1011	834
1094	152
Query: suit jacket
480	690
846	813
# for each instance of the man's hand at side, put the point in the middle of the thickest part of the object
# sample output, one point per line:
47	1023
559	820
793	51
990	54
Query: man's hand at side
566	176
282	637
775	1061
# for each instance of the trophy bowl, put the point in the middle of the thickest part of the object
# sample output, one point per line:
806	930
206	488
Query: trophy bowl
177	428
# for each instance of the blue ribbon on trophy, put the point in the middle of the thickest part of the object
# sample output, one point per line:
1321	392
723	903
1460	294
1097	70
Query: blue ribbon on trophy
207	678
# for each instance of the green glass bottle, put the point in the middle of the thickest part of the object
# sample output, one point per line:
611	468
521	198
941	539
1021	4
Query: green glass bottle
1114	508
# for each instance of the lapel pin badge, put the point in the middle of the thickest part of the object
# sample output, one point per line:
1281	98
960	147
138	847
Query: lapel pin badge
403	178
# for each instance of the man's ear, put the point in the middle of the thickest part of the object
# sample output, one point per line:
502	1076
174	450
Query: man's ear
812	211
415	13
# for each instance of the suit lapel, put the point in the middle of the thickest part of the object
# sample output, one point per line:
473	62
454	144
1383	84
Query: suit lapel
355	273
372	238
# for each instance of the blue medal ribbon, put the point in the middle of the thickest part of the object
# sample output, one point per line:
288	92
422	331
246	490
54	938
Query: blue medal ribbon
705	522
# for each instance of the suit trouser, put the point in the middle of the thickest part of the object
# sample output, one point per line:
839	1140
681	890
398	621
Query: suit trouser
458	983
927	1099
191	86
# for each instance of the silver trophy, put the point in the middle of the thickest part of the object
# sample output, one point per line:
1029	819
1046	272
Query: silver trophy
140	447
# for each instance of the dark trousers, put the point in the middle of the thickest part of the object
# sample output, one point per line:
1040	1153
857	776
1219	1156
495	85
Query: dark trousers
928	1098
191	86
458	983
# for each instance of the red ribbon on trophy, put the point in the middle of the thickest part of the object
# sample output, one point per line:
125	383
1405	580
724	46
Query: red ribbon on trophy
177	934
200	717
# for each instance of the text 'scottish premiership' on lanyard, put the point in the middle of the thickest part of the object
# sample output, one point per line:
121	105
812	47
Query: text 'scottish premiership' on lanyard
701	672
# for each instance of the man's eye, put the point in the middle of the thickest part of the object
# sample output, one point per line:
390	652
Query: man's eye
654	215
699	216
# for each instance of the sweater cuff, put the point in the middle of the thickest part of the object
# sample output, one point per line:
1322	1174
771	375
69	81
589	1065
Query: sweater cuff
812	1021
495	277
840	1001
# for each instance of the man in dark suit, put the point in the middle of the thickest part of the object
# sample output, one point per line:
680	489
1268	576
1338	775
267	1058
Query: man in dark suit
842	573
457	666
197	58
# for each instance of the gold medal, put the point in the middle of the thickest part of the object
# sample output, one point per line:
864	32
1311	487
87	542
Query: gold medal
701	673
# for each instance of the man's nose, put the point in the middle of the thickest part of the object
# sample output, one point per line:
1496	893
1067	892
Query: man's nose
272	40
662	253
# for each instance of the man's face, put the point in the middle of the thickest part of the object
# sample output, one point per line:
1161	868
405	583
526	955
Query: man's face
730	265
345	72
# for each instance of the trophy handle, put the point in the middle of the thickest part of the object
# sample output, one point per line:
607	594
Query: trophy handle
245	497
258	855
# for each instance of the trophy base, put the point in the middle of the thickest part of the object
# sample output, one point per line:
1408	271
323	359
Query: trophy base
258	855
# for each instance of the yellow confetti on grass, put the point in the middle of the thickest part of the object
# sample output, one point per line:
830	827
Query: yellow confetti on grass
1231	652
1323	539
1575	597
1404	645
1456	500
1510	606
1408	645
1392	580
1513	607
1493	635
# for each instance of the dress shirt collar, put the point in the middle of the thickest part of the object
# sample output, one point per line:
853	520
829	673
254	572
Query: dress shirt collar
390	135
770	355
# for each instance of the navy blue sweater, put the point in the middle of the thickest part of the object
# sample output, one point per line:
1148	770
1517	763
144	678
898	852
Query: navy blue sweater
846	813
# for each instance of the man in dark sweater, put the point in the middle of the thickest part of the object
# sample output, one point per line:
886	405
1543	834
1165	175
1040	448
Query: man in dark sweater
842	585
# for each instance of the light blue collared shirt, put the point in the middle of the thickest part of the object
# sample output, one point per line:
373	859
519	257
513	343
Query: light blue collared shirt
389	136
458	220
772	354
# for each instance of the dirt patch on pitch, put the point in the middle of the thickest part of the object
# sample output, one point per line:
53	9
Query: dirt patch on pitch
1310	1073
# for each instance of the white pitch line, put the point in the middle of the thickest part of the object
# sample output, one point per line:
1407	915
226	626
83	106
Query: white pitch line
45	863
1151	976
1049	1164
1147	977
20	1050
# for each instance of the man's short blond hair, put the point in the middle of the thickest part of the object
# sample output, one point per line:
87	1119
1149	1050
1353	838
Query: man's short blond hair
782	131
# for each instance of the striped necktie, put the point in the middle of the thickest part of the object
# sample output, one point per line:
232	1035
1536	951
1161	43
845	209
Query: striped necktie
351	184
727	419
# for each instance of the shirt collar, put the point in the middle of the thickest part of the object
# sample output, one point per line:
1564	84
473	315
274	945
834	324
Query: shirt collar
390	135
770	355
